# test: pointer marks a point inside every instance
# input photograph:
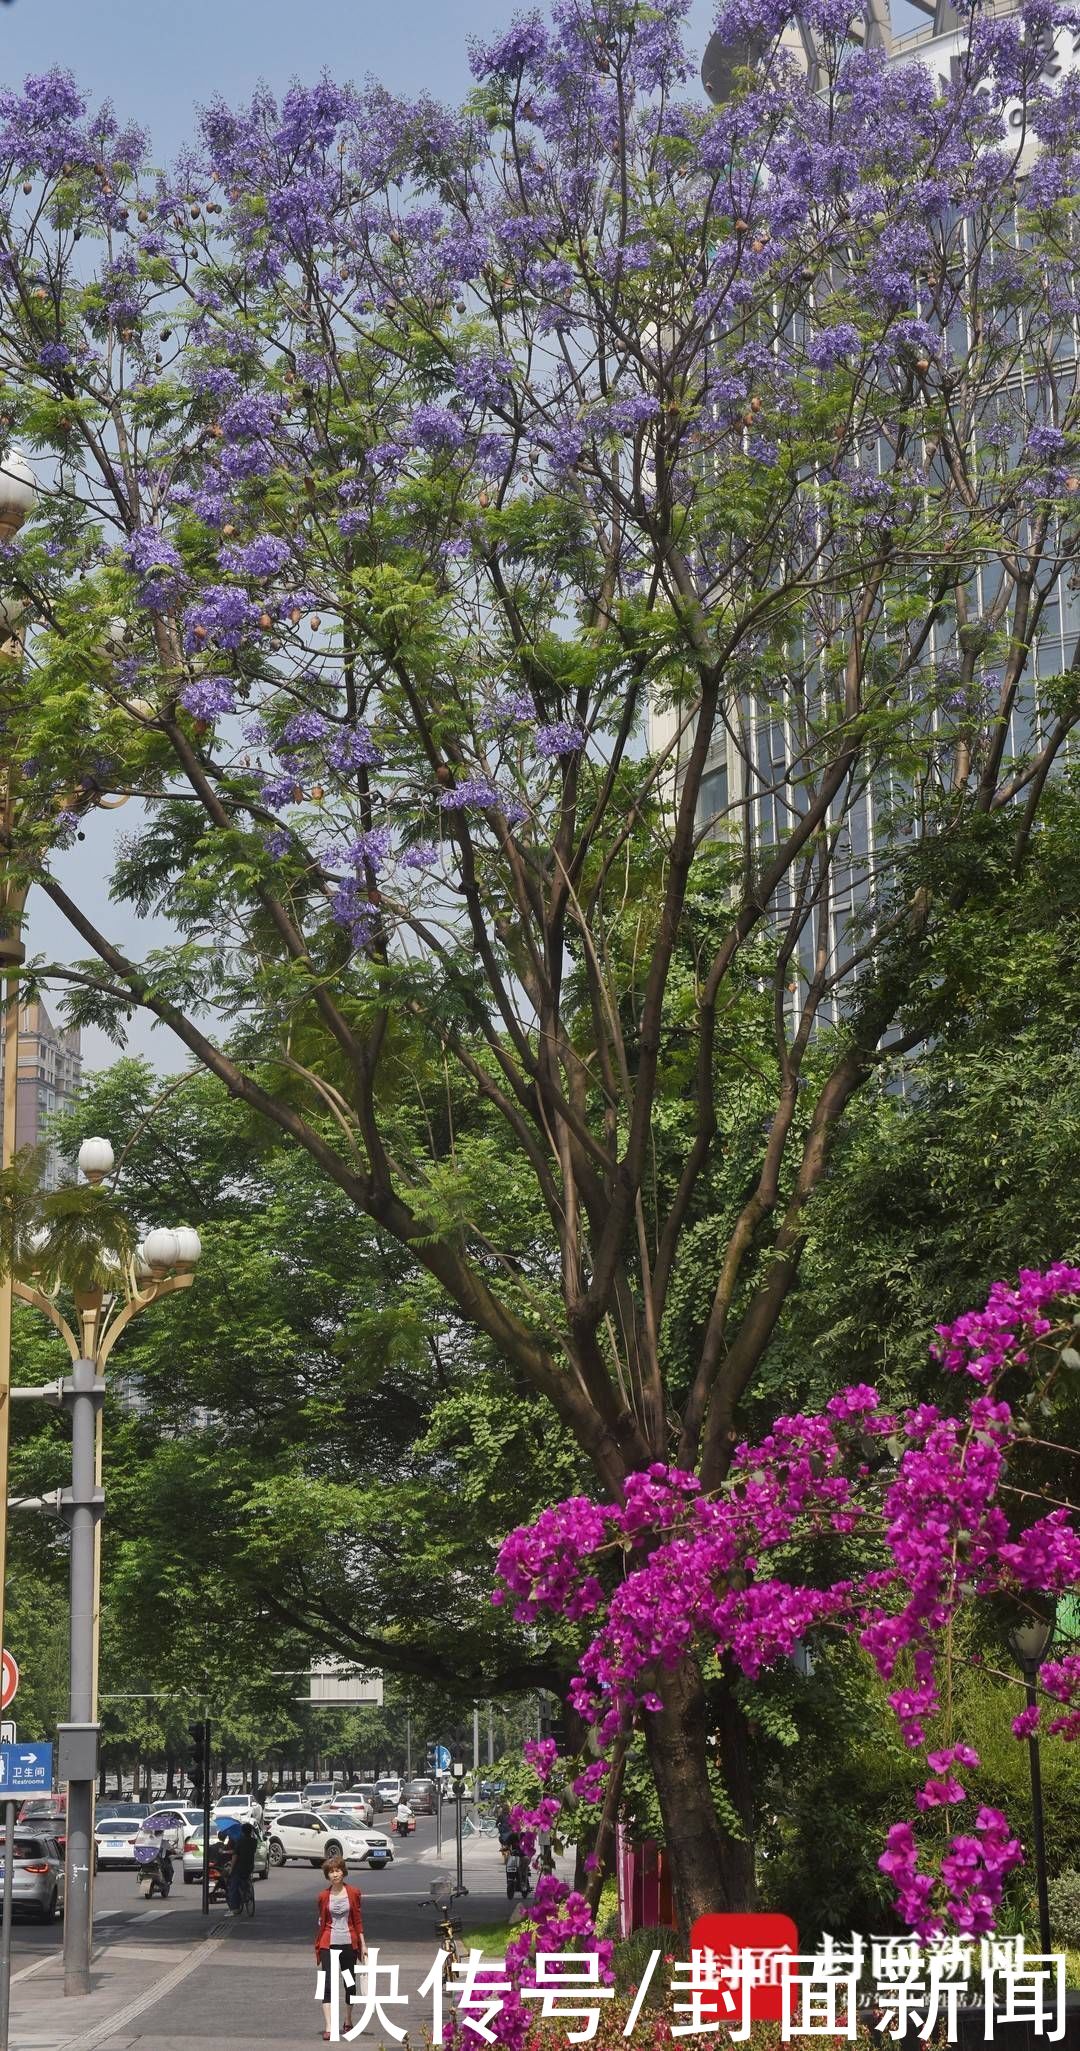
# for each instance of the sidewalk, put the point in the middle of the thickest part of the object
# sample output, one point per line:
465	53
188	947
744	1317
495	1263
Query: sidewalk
126	1978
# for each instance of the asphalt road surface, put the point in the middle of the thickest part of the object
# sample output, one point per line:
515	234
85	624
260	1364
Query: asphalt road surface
253	1982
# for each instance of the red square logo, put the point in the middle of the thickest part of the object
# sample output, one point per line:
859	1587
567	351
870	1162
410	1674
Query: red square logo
768	1936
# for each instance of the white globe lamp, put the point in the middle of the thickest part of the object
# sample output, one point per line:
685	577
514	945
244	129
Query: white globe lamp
160	1250
96	1159
18	492
189	1245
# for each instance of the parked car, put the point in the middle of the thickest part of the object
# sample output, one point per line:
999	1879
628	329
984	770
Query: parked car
359	1800
128	1810
283	1798
193	1855
245	1808
304	1834
52	1824
490	1790
42	1805
114	1842
387	1794
421	1796
37	1881
319	1791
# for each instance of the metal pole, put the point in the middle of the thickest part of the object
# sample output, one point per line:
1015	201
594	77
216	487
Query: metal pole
207	1801
408	1744
491	1735
83	1509
5	1923
476	1740
438	1825
459	1792
1038	1821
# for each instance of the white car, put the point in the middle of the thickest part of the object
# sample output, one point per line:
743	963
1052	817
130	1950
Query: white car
284	1798
305	1834
357	1801
245	1808
193	1856
114	1842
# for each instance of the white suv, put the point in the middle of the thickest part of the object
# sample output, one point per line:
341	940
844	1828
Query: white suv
300	1834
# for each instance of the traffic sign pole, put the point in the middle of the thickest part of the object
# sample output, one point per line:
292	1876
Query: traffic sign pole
5	1923
23	1769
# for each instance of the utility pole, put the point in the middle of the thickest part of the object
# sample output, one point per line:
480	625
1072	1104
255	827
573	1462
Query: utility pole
476	1739
491	1735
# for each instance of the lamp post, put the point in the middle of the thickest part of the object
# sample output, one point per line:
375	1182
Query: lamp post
164	1262
1029	1643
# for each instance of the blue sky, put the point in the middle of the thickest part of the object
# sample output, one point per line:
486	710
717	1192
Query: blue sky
157	59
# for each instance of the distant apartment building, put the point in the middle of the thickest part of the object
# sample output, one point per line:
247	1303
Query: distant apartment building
50	1071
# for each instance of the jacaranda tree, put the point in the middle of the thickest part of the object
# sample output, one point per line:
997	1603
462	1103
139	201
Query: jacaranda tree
396	466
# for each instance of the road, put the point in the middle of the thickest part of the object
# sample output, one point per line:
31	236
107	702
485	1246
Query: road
162	1979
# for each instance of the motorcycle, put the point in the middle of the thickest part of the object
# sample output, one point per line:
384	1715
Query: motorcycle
155	1874
517	1875
158	1838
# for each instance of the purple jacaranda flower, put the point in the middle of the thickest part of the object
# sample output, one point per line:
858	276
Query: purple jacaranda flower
353	749
437	429
208	697
157	565
305	727
262	557
831	346
561	737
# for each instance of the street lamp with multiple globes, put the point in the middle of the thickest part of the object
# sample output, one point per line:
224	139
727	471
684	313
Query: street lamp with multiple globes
1029	1643
162	1263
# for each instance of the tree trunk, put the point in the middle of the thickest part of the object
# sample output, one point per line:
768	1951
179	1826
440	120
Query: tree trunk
711	1869
170	1774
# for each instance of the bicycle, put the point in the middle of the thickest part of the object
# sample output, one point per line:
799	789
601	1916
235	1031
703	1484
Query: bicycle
244	1905
449	1931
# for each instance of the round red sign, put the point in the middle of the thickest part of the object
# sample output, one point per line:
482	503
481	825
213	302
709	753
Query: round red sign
10	1681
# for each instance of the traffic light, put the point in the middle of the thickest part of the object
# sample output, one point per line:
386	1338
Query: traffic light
200	1763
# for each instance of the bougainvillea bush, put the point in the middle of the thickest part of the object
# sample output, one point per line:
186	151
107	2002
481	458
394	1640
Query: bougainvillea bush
444	516
946	1504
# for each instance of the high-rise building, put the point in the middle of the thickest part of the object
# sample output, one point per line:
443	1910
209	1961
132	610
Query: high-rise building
50	1071
754	778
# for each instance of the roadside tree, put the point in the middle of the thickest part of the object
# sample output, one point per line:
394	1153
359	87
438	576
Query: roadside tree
394	464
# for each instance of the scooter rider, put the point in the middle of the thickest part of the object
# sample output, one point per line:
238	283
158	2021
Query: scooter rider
404	1818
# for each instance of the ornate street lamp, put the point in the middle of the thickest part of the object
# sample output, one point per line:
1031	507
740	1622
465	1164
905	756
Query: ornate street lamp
110	1288
1029	1642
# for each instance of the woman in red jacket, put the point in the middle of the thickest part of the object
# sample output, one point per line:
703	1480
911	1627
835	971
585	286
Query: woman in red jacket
341	1929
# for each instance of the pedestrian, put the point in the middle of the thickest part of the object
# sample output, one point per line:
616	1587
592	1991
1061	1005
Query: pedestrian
242	1868
341	1930
502	1824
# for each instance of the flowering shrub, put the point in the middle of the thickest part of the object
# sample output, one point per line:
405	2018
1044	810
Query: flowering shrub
694	1568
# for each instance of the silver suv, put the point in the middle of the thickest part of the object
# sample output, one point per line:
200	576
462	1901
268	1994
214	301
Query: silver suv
37	1884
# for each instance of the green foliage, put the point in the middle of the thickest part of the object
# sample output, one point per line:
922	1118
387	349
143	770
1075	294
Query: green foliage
1064	1893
